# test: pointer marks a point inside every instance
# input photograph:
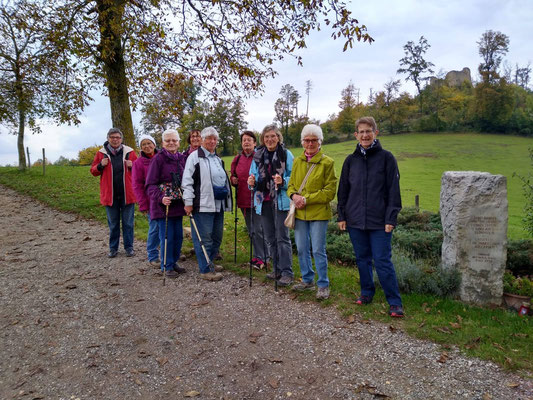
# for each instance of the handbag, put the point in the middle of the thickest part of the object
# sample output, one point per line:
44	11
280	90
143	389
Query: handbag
291	216
220	192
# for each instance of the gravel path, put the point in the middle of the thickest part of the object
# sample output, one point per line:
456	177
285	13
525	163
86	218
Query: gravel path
76	325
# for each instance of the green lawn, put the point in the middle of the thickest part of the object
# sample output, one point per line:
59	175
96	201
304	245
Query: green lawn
491	334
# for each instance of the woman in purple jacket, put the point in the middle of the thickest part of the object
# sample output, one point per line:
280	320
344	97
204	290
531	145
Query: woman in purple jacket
159	186
139	171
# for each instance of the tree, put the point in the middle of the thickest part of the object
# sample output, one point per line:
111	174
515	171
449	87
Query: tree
308	87
86	155
527	187
227	116
286	107
345	121
492	47
522	76
228	46
493	105
415	65
34	83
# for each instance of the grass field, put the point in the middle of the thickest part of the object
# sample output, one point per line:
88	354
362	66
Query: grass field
493	334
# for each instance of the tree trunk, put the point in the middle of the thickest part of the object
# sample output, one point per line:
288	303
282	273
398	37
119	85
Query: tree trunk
20	142
112	56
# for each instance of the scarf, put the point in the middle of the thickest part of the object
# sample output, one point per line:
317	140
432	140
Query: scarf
363	150
113	150
172	156
267	167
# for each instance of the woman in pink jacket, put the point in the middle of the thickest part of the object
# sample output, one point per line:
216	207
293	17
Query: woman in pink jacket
140	170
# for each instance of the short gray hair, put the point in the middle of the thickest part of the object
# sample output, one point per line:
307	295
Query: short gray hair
312	130
209	131
171	132
366	120
115	130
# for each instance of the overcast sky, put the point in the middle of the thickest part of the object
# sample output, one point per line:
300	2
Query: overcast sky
451	27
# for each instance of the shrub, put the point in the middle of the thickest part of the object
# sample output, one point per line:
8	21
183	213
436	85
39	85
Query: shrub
520	257
421	244
520	286
86	156
339	249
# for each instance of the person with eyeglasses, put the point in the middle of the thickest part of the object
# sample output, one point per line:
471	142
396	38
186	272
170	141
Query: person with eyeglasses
162	190
311	188
368	205
113	164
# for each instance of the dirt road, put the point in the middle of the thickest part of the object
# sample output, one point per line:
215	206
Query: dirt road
77	325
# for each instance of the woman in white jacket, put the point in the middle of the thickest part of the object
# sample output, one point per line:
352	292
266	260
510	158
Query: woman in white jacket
207	194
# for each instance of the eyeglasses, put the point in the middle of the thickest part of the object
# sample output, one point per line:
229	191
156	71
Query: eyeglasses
309	141
115	137
368	132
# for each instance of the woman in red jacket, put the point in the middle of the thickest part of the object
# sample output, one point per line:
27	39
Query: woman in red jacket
240	170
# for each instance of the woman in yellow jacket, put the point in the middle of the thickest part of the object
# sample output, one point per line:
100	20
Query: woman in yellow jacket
313	209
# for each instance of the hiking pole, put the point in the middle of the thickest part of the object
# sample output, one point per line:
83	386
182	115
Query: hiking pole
165	252
251	231
275	257
209	263
236	219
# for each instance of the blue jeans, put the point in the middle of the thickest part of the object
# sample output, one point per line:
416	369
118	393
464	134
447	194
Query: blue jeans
114	214
277	238
211	227
307	235
174	241
152	242
375	245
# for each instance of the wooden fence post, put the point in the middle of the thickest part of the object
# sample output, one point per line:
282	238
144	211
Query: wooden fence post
44	162
417	202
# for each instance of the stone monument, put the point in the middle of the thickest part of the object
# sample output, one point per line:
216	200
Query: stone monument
473	208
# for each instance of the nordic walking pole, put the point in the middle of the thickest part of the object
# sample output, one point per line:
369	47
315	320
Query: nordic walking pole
209	263
236	219
165	252
251	231
275	257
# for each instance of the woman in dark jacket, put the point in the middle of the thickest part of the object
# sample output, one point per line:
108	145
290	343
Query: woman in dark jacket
165	163
240	170
368	204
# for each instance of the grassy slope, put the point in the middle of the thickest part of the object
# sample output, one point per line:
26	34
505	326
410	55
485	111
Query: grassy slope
489	334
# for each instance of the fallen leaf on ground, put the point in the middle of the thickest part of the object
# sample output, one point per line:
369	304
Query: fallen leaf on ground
138	382
162	360
455	325
192	393
487	396
351	319
274	383
443	357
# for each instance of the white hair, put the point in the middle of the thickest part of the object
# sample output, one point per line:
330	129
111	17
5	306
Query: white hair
209	131
312	130
169	132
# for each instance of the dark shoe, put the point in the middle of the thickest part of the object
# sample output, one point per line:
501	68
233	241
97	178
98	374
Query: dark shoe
218	257
155	263
272	277
211	276
112	253
179	270
300	287
396	311
171	274
130	253
322	293
363	300
285	280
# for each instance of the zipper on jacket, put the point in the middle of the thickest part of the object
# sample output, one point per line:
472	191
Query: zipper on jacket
365	190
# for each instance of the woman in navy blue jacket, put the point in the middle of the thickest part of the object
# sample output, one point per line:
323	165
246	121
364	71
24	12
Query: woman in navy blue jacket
368	205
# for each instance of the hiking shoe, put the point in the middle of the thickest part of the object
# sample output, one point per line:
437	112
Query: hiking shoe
130	252
171	274
218	257
155	263
285	280
211	276
257	263
178	269
112	253
300	287
396	311
322	293
363	300
219	268
273	277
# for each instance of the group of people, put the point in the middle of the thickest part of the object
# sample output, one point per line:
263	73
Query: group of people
269	181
